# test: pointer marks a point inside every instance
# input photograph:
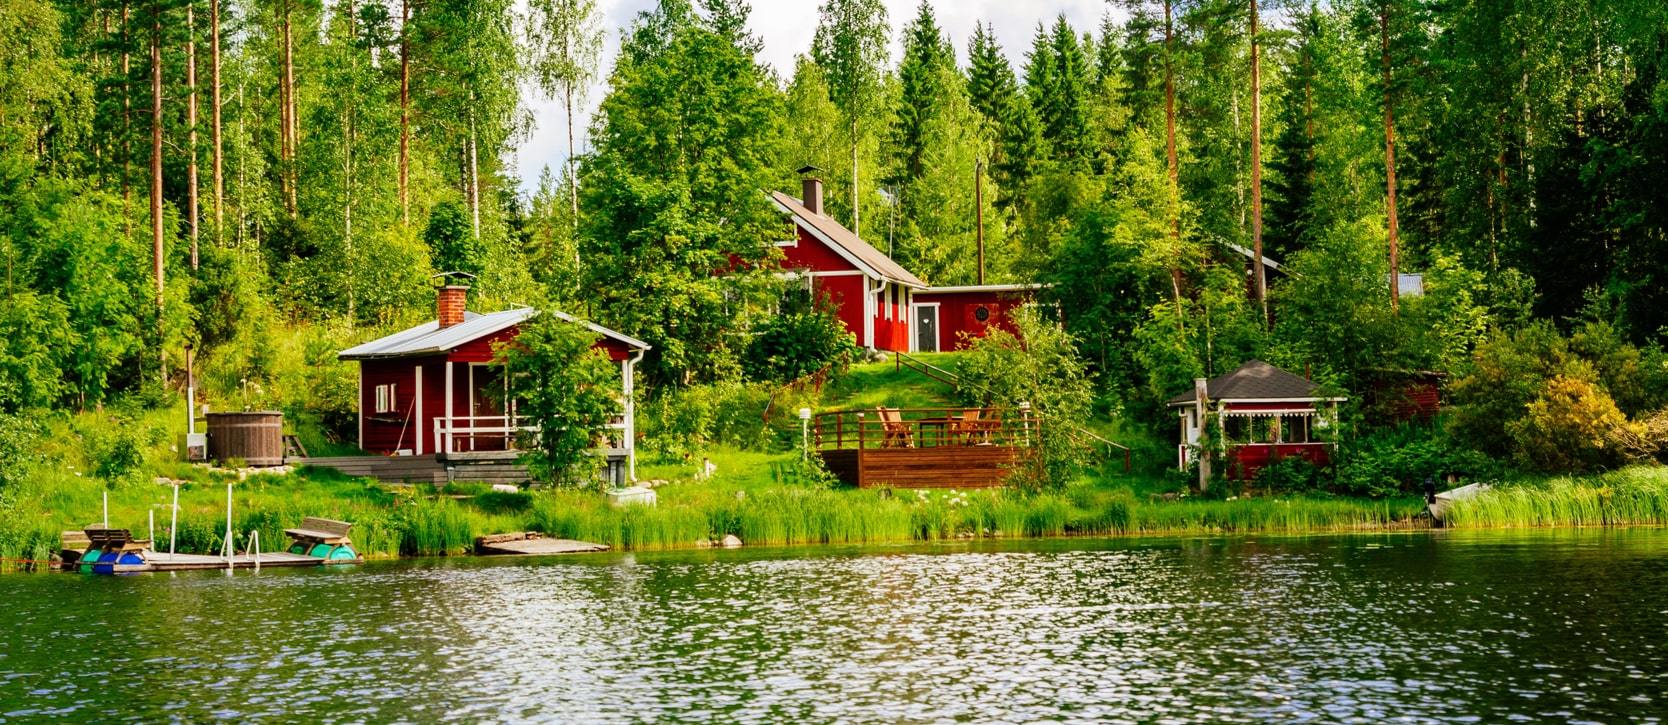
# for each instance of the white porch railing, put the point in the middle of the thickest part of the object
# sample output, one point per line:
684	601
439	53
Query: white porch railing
449	432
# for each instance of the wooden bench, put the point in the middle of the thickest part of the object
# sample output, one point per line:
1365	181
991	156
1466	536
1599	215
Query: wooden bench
314	530
119	540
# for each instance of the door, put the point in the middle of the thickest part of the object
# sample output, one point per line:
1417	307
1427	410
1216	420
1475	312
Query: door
926	328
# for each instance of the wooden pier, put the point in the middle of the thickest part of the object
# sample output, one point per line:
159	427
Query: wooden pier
926	447
532	544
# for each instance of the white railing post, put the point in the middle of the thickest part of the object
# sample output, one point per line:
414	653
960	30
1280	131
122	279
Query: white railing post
255	543
174	521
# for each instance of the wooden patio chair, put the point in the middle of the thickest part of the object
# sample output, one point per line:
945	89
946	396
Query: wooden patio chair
975	429
897	433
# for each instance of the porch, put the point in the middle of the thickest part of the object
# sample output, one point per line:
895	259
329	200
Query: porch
925	447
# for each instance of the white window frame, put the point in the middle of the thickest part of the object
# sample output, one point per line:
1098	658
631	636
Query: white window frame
387	398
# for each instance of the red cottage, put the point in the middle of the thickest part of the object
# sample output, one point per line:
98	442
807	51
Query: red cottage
435	389
1263	412
884	305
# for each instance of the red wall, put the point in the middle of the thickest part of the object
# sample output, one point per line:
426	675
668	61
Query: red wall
813	255
845	292
1248	459
957	321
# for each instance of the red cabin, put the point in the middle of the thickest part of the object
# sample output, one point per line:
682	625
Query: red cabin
437	389
1263	412
885	306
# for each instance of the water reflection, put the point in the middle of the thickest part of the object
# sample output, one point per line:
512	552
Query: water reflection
1548	625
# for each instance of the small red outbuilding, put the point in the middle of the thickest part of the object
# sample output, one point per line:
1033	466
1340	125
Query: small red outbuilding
438	388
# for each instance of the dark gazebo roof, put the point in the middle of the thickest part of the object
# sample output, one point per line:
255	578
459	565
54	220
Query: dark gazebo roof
1257	380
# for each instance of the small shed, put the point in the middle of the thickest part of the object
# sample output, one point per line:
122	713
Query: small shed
1264	414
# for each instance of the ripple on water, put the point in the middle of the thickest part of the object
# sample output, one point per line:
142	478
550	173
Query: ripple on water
1205	630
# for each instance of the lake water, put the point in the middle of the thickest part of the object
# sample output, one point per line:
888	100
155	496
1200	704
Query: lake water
1486	627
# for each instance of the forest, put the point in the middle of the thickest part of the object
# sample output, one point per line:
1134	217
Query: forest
1467	189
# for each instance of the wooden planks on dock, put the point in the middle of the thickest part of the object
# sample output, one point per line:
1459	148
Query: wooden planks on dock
528	543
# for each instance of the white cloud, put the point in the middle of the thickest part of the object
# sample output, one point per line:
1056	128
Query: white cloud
787	27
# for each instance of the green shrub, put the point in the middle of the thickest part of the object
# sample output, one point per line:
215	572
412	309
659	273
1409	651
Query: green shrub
1568	427
1391	461
1289	475
801	339
683	422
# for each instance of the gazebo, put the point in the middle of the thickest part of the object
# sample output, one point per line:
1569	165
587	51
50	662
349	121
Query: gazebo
1263	414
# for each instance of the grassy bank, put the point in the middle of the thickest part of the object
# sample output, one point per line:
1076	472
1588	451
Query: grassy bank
755	497
1629	497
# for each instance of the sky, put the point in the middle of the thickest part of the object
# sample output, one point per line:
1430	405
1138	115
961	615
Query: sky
787	26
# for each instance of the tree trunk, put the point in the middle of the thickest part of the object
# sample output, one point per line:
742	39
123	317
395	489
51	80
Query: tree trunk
474	181
1170	159
1257	167
282	10
856	219
1390	158
405	113
127	128
295	123
347	166
191	126
214	100
156	154
573	169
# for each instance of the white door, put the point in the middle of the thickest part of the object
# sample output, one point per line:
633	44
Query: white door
926	328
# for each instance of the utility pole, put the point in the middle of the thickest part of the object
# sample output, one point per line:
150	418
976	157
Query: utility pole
979	212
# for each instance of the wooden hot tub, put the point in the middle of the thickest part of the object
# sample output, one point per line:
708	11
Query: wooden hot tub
256	437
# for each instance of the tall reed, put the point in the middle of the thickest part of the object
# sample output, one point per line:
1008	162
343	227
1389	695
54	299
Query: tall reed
1630	496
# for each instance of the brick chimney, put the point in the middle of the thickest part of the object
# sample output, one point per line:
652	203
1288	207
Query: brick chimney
449	303
811	188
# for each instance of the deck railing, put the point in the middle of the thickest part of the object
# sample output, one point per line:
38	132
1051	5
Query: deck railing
925	428
464	432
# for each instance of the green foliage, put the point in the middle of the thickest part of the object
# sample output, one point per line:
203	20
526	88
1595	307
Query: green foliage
681	423
1398	460
19	452
802	338
33	330
683	145
453	246
1038	368
1568	427
568	390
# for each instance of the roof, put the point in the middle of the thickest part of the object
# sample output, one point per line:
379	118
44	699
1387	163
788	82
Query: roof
1026	287
1268	261
846	243
429	339
1257	380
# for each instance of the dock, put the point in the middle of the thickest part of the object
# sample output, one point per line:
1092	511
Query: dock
532	544
162	561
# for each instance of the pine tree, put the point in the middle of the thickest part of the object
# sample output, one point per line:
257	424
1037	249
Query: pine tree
922	80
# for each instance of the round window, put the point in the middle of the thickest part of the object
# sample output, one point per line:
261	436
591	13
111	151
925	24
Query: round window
981	313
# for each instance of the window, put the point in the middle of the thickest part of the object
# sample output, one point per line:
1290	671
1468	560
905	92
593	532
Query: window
981	313
385	400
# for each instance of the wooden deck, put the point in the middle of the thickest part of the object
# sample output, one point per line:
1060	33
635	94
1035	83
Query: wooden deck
926	448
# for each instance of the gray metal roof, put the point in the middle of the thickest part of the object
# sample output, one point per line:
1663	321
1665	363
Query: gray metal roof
869	259
1256	380
429	339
